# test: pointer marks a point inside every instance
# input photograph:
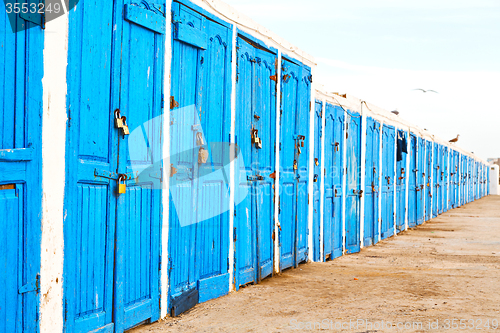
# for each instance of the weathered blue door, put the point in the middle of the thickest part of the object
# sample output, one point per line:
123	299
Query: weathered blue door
294	162
318	134
334	165
21	68
444	179
353	189
463	180
112	240
256	138
428	180
414	189
421	181
401	189
436	180
387	186
199	184
371	232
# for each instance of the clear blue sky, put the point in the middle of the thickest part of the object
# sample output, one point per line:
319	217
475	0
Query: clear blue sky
380	51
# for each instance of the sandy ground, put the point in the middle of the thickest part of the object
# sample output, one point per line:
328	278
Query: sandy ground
448	268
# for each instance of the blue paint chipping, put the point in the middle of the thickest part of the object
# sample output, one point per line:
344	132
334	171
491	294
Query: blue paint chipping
21	68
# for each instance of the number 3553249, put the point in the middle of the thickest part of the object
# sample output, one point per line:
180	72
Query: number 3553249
32	8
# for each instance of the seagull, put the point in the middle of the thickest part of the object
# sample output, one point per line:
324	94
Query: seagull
423	90
396	112
456	139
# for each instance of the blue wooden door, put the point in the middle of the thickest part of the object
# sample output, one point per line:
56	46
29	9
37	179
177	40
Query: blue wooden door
353	189
436	182
371	219
387	186
199	185
421	181
112	248
413	190
401	189
429	169
137	247
294	162
318	134
446	180
334	165
256	138
21	68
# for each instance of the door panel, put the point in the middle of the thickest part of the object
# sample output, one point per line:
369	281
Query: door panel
112	238
401	174
295	108
388	165
21	65
353	156
332	210
429	185
371	182
199	191
421	181
414	189
318	133
255	110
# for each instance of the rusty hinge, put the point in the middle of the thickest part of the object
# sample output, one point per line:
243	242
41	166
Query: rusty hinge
274	78
173	103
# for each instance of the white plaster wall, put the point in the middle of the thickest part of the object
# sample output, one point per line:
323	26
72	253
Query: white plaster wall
53	173
164	283
494	187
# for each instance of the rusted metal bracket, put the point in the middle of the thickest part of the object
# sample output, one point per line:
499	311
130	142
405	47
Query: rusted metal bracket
173	103
114	176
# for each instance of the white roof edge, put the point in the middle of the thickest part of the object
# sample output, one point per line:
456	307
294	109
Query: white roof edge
246	24
382	115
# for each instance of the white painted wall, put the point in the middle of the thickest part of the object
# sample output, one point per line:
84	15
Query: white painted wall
53	173
494	174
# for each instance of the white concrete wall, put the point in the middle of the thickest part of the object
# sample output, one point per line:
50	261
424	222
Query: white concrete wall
494	174
53	173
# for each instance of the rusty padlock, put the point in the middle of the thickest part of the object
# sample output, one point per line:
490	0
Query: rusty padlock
316	162
258	144
295	167
202	156
125	127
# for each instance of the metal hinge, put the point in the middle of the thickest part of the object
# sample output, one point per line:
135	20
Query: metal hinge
32	286
235	238
173	103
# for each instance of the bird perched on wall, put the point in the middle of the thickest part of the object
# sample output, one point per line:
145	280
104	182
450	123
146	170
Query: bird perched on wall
396	112
430	90
456	139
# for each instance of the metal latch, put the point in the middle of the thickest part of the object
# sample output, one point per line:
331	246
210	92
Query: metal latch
32	286
173	103
254	178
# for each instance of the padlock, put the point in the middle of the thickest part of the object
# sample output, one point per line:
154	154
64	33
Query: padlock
125	127
118	123
258	144
315	179
202	156
302	143
118	119
295	167
316	162
199	139
122	188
